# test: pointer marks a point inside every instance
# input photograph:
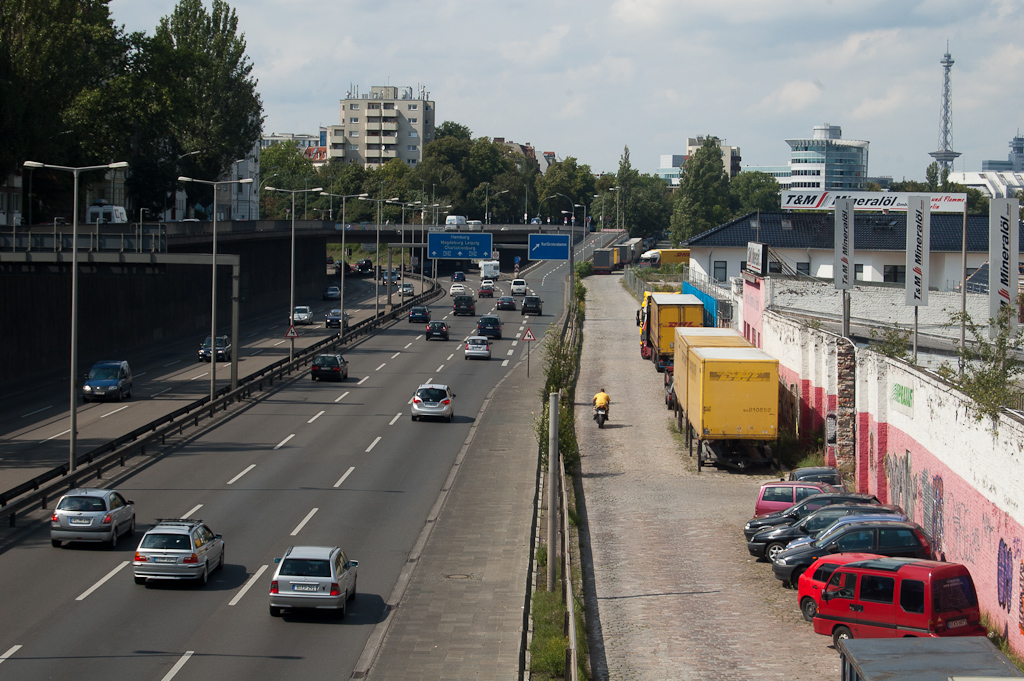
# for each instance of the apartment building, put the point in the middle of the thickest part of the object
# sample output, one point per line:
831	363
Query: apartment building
388	122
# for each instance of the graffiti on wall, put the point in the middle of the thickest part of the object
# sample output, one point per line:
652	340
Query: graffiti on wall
1020	607
1004	576
932	501
902	490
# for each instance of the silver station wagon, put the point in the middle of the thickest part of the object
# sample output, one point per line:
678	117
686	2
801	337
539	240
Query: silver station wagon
178	549
313	577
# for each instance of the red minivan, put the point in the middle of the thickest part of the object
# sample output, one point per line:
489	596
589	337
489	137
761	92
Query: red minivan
814	579
778	495
897	598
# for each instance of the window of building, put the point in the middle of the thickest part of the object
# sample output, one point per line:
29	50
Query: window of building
353	107
896	274
413	107
413	133
389	105
803	268
354	133
373	107
774	268
721	267
858	272
411	147
373	147
338	132
353	147
337	145
743	265
414	121
354	121
412	161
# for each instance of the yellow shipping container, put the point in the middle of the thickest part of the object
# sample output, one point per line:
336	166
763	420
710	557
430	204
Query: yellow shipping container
703	337
666	312
732	394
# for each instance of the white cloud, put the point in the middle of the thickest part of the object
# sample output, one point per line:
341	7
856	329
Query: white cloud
793	96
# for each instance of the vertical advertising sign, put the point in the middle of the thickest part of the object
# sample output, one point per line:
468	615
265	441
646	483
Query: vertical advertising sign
1003	252
842	271
918	245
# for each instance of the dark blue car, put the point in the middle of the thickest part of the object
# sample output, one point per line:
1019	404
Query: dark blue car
108	380
490	326
419	314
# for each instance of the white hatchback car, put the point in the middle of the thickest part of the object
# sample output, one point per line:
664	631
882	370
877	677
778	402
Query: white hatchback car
478	347
313	577
519	287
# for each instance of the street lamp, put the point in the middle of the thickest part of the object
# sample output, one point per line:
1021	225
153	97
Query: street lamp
216	184
266	180
380	208
291	286
616	190
73	439
487	212
405	204
541	203
341	301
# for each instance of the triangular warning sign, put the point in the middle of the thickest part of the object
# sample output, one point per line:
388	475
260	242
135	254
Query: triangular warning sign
292	333
528	336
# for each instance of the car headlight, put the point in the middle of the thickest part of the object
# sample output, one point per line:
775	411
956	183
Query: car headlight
87	388
780	561
748	525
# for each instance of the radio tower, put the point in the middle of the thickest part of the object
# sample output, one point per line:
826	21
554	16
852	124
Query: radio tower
945	155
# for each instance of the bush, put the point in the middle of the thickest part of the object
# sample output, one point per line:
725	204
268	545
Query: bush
584	269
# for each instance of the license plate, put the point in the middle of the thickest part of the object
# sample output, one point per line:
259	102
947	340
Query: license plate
304	587
165	559
953	624
80	521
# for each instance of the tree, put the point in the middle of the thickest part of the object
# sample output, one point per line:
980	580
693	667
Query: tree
292	169
575	184
753	191
625	180
931	177
650	206
703	196
453	129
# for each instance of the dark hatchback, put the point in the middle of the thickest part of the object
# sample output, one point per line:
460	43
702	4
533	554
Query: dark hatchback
507	303
829	474
490	326
531	304
802	509
900	540
419	314
331	366
223	349
458	276
771	541
436	330
332	320
108	380
463	305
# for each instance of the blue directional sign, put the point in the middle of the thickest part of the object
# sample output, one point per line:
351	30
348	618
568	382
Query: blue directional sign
458	246
549	247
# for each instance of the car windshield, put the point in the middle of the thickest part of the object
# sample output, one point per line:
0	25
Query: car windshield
490	321
431	394
304	567
437	326
419	310
81	504
166	541
301	310
103	373
477	342
335	313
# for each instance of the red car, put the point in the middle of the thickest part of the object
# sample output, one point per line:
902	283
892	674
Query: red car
485	291
814	579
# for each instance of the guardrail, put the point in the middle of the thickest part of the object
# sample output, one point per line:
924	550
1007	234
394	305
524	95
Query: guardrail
35	493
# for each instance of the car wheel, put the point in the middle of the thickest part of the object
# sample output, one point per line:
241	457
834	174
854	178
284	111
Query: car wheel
451	417
841	633
344	607
220	565
412	416
112	544
205	576
275	611
352	595
809	608
131	528
313	377
55	543
773	550
794	580
129	396
140	580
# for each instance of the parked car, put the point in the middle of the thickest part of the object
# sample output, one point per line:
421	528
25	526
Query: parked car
329	365
223	349
506	303
420	314
898	597
815	577
302	314
829	474
839	523
771	541
108	380
901	540
88	514
490	326
532	304
457	290
313	577
436	330
802	509
780	495
478	347
518	287
485	291
463	304
458	276
433	400
333	319
332	293
175	549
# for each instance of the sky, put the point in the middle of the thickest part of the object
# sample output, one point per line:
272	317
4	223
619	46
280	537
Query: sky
588	78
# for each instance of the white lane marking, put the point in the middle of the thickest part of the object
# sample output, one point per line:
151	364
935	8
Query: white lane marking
284	441
394	355
103	416
380	367
522	327
450	357
256	352
397	416
515	343
191	511
440	367
408	344
165	390
235	479
504	363
102	581
342	396
319	414
49	406
362	380
347	473
511	352
142	373
248	585
304	521
444	317
280	343
429	380
10	651
178	665
200	376
411	399
254	333
170	363
42	442
373	444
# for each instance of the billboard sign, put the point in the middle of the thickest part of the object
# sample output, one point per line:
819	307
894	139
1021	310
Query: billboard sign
874	201
918	246
1003	252
842	271
756	263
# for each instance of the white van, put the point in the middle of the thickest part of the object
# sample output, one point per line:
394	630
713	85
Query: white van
454	223
474	226
107	213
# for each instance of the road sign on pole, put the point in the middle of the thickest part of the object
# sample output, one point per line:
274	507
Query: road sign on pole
549	247
529	338
292	333
460	246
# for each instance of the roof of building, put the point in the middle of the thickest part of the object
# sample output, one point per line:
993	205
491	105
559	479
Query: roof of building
871	232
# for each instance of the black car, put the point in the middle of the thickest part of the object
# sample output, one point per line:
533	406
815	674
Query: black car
490	326
507	303
223	349
531	304
436	330
364	266
463	305
771	541
332	320
900	540
802	509
829	474
329	365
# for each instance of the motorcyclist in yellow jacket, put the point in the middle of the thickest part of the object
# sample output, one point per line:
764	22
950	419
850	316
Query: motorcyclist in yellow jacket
602	399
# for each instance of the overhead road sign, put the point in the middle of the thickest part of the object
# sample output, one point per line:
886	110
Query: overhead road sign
459	246
549	247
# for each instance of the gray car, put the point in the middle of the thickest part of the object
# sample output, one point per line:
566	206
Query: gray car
178	549
302	315
313	577
478	347
93	515
433	400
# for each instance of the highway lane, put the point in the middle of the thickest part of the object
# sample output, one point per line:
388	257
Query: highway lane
258	476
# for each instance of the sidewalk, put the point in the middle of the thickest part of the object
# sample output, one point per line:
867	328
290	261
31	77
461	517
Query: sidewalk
462	613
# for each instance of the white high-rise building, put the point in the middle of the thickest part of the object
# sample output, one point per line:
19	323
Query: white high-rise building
389	122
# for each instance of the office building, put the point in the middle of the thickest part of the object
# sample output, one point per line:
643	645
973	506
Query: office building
389	122
822	161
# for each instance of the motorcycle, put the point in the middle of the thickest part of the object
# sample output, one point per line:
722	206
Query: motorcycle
600	415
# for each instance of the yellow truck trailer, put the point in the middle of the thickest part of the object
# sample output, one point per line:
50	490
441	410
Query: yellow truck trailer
666	256
686	338
732	405
662	314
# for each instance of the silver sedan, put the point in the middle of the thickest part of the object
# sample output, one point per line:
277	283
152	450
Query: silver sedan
92	515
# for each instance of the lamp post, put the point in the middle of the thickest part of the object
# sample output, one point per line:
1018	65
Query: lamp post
291	285
266	180
174	192
341	301
380	207
404	205
216	184
73	438
616	190
487	212
541	203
